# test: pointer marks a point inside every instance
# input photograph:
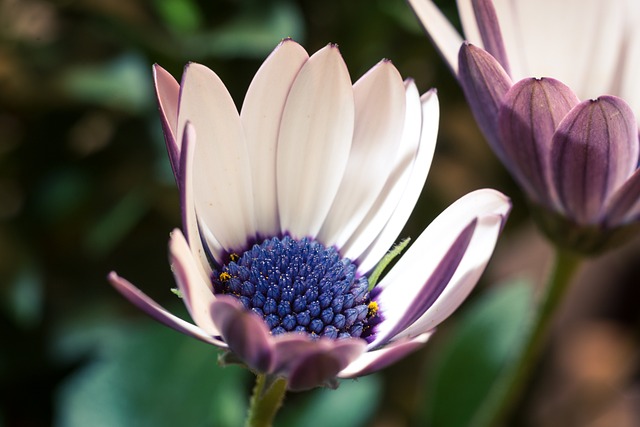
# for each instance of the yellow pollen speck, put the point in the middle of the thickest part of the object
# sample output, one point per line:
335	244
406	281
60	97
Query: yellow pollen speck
234	257
373	308
224	276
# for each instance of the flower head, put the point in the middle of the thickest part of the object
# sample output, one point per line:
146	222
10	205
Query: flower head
289	205
577	161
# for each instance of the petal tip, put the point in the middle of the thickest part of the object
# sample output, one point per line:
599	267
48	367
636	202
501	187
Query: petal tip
433	92
113	277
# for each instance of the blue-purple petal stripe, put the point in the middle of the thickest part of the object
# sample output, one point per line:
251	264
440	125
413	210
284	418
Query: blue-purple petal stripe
490	32
436	283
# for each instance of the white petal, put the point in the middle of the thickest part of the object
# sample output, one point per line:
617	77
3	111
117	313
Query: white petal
579	43
444	35
187	204
222	185
403	163
463	281
196	293
380	109
146	304
212	248
630	69
401	287
470	28
261	115
314	142
402	212
601	51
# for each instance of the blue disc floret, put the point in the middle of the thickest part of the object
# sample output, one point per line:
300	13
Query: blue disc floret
300	286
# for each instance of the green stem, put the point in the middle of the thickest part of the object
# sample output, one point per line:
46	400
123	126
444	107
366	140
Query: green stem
268	394
514	383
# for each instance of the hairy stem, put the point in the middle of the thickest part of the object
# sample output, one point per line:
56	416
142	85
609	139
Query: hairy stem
267	398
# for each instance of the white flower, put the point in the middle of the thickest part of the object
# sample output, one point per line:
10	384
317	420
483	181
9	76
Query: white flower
289	205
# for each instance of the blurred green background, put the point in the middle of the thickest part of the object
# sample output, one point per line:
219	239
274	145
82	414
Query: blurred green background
86	187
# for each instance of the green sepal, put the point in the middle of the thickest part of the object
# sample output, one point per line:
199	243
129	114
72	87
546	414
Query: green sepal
386	260
269	381
228	358
266	400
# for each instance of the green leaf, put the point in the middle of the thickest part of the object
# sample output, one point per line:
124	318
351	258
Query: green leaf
23	298
253	33
403	15
351	405
61	192
179	15
123	83
116	223
150	376
480	347
386	260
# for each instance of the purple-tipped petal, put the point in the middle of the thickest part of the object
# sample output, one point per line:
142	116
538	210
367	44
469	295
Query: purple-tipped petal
245	333
375	360
485	83
490	32
146	304
466	276
595	149
625	203
527	120
168	93
321	366
196	295
408	290
399	318
291	347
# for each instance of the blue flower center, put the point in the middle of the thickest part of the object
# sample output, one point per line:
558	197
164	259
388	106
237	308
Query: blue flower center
300	286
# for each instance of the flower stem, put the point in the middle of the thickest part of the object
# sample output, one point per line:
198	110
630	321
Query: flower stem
268	394
513	385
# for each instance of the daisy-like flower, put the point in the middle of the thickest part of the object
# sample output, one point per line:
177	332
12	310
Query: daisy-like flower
576	161
289	206
592	46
